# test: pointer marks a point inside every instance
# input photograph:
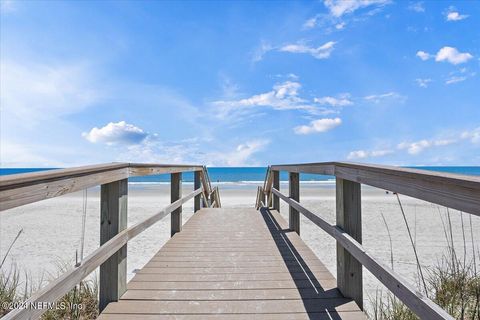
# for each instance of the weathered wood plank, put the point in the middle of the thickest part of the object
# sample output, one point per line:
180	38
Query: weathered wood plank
276	185
196	184
231	307
323	284
415	300
63	284
345	315
220	295
113	220
220	276
13	196
455	191
349	218
175	194
294	192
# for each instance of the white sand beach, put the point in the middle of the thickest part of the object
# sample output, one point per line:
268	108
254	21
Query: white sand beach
52	228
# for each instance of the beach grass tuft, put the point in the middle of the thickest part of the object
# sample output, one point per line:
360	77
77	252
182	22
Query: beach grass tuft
453	282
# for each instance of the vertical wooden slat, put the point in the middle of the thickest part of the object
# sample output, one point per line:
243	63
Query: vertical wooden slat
113	219
349	218
196	184
175	194
276	185
294	192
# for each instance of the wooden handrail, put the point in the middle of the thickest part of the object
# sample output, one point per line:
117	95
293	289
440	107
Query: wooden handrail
416	301
67	281
455	191
24	188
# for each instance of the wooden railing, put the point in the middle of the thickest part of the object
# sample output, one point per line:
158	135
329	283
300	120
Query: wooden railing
451	190
20	189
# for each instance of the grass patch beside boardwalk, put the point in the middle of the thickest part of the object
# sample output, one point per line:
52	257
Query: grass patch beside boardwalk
453	282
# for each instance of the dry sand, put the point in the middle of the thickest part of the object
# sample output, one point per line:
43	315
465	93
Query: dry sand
52	228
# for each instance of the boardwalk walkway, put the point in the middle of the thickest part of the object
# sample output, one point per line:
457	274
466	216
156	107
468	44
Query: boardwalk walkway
233	264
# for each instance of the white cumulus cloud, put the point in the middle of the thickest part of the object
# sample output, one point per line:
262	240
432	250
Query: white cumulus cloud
116	133
452	55
320	125
423	55
453	15
321	52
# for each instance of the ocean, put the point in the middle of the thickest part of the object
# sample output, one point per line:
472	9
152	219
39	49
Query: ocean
248	175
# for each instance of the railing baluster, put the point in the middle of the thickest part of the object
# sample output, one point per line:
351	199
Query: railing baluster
276	185
349	218
175	194
294	192
196	184
113	219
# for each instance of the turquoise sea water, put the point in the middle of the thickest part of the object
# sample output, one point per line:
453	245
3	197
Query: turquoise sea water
246	175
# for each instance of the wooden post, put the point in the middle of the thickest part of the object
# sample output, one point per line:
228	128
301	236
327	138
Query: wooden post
349	218
113	219
196	185
294	192
175	194
276	185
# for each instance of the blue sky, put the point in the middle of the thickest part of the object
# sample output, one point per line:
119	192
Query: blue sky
240	83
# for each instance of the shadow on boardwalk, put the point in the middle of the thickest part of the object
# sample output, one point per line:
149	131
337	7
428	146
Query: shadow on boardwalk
318	302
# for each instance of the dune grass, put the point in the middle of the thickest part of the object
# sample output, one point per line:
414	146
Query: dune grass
453	282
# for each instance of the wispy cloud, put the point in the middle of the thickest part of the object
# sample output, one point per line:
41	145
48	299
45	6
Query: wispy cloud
417	6
340	101
453	15
472	135
283	96
7	6
417	147
388	96
363	154
317	126
116	133
423	83
321	52
260	51
35	92
242	155
455	79
338	8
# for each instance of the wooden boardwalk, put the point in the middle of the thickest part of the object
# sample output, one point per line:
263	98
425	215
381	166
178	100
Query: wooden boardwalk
233	264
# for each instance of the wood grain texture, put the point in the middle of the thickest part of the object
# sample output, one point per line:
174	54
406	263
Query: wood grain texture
20	189
234	262
113	220
349	219
196	184
63	284
276	185
460	192
175	194
415	300
294	193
